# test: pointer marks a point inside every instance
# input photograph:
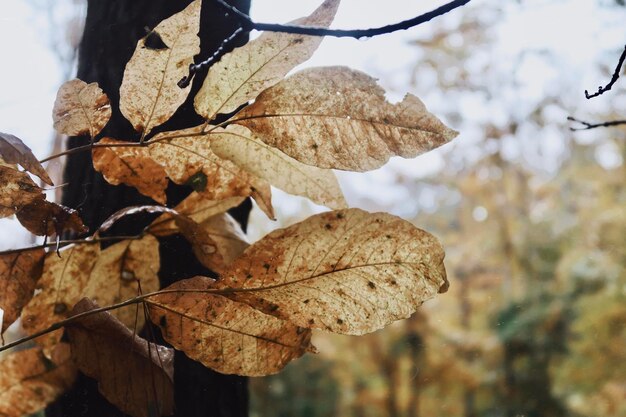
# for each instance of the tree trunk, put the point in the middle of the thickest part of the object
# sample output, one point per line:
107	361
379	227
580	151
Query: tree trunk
112	30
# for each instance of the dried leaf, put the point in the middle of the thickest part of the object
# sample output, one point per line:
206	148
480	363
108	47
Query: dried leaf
134	375
242	74
80	109
203	246
186	153
240	146
29	381
336	117
345	271
131	166
216	242
115	276
149	94
19	272
42	217
227	234
224	335
14	151
16	191
196	208
61	285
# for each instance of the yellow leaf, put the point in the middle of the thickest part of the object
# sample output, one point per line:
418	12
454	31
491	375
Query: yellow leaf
196	208
240	146
149	94
80	109
133	374
344	271
187	158
61	285
16	191
336	117
224	335
115	276
216	242
131	166
29	381
242	74
19	273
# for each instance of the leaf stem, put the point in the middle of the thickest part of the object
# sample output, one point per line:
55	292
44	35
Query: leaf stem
63	243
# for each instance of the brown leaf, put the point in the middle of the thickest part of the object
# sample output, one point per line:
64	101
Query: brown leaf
80	109
42	217
16	191
134	375
196	208
336	117
216	242
29	381
131	166
115	276
224	335
149	94
19	272
345	271
61	285
204	247
187	158
240	146
243	73
227	234
14	151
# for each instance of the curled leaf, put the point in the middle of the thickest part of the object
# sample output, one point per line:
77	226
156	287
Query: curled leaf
224	335
149	94
19	273
242	74
133	374
44	218
14	151
130	165
129	211
80	109
29	380
336	117
345	271
240	146
16	191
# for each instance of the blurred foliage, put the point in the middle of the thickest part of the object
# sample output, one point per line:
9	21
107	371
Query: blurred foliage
534	323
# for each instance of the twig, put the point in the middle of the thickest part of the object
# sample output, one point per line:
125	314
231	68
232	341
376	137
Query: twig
248	24
588	126
195	68
130	301
63	243
602	90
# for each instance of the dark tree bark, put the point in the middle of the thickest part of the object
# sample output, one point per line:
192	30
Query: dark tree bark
112	30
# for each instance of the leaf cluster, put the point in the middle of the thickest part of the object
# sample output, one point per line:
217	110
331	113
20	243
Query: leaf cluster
345	271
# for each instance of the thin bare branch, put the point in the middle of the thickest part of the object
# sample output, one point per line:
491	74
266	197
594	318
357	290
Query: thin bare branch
588	126
602	90
248	24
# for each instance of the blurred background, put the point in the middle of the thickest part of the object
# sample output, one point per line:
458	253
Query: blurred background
532	214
